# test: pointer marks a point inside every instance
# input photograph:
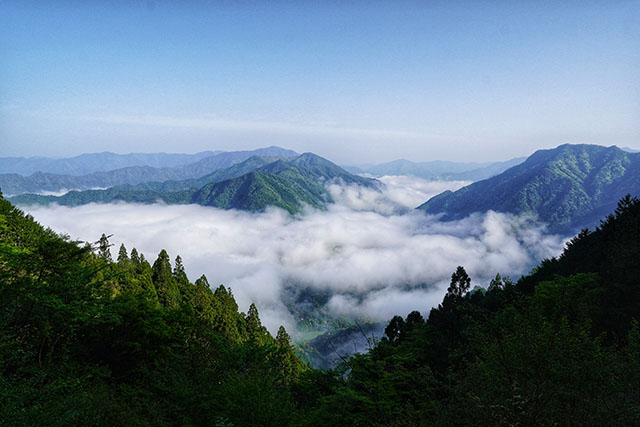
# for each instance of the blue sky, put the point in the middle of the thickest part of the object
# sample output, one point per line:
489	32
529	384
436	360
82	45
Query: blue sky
354	81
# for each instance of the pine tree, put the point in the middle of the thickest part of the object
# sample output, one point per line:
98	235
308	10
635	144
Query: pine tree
203	282
179	273
288	363
395	330
255	330
460	283
226	314
134	257
103	248
414	319
282	338
168	293
122	254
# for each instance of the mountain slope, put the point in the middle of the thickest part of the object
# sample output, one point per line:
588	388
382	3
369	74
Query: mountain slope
89	341
257	190
286	184
251	185
234	171
14	184
569	187
319	168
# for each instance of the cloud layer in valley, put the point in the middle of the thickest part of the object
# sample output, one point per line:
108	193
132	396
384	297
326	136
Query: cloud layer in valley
375	255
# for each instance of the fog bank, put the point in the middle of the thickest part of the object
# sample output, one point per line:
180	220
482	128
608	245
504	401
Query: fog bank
374	254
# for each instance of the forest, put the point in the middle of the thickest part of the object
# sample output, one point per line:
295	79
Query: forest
94	335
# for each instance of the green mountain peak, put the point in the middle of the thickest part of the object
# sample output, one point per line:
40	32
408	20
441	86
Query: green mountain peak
569	187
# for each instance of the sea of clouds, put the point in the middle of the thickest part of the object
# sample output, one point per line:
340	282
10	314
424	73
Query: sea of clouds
375	254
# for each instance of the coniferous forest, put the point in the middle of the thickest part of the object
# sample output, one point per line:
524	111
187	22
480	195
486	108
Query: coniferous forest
96	335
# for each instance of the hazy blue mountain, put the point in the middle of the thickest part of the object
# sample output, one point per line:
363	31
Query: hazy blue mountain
251	185
227	159
569	187
438	169
319	168
13	184
492	169
239	169
115	194
85	164
354	169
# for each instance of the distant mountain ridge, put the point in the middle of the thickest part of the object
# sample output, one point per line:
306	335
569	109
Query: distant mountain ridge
252	185
438	169
569	187
14	184
85	164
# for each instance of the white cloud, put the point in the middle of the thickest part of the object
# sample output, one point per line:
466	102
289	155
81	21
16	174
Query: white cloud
400	194
375	256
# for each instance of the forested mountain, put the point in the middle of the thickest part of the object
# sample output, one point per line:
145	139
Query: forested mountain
254	191
251	185
558	347
96	162
87	340
439	170
13	184
569	187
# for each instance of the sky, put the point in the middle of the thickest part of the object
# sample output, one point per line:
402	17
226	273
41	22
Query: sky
354	81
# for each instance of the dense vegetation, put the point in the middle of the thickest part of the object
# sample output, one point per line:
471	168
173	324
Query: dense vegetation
252	185
90	341
559	347
569	187
86	340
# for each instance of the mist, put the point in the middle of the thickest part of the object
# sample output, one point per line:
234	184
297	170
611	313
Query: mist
375	255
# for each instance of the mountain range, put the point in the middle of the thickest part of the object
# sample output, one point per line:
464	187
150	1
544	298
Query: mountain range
252	185
96	162
140	168
569	187
437	169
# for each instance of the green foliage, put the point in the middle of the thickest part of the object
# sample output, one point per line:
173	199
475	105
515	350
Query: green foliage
569	187
103	248
86	341
252	185
542	351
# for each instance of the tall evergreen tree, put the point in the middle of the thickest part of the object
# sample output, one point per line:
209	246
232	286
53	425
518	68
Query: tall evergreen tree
460	283
168	293
178	271
135	258
395	330
122	254
203	282
103	248
255	330
227	318
282	338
